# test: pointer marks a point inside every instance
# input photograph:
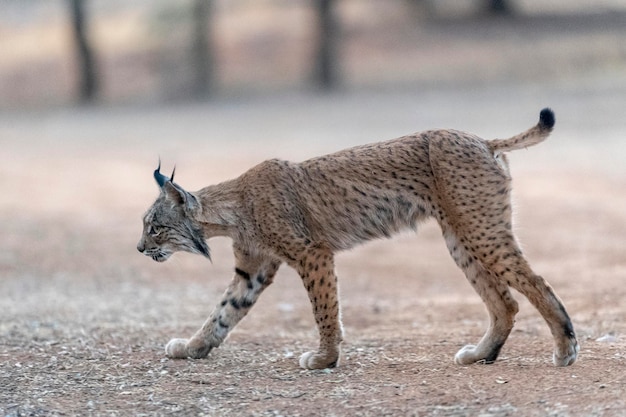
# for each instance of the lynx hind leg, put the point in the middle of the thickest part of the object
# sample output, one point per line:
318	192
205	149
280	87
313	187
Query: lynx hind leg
504	265
518	274
318	275
500	304
474	195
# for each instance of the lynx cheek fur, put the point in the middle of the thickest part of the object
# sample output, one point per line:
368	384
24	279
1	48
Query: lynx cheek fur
302	213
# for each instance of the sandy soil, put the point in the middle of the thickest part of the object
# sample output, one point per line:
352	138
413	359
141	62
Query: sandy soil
85	317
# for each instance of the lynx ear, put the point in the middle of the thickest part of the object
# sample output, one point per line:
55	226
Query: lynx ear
179	196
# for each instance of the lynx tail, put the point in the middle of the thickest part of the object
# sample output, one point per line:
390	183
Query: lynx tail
532	136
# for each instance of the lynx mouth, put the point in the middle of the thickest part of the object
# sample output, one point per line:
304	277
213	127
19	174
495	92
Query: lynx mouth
158	256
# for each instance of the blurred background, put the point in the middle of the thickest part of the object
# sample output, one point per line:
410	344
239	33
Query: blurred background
56	52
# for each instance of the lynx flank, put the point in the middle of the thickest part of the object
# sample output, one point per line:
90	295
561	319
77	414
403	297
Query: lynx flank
302	213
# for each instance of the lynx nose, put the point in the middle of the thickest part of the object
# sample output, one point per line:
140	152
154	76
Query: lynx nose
140	246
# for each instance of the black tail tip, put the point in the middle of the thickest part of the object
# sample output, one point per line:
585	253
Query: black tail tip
546	118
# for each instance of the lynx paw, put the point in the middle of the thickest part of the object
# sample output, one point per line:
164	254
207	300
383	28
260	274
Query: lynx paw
467	355
569	355
176	349
314	360
183	348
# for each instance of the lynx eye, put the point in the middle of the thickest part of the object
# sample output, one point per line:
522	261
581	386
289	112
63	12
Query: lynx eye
153	231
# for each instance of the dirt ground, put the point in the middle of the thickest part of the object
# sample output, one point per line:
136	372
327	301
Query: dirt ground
84	317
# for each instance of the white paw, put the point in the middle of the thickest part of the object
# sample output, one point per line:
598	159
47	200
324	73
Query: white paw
176	349
465	356
569	357
313	360
304	360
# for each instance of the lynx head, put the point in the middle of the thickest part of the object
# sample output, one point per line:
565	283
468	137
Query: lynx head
170	225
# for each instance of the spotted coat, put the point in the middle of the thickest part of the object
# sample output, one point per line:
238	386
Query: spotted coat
303	213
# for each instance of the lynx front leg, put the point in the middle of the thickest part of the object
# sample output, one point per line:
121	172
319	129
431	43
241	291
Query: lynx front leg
252	276
318	275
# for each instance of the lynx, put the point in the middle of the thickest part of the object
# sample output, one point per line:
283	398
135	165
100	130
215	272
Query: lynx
303	213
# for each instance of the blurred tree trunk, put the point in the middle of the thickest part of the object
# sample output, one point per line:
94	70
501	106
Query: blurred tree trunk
202	49
88	78
326	66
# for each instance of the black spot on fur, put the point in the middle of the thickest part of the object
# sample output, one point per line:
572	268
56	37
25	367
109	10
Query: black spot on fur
359	191
242	274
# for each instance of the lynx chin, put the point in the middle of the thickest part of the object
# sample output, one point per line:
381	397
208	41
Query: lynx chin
301	214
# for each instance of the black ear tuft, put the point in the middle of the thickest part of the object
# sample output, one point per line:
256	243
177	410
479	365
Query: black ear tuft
158	177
